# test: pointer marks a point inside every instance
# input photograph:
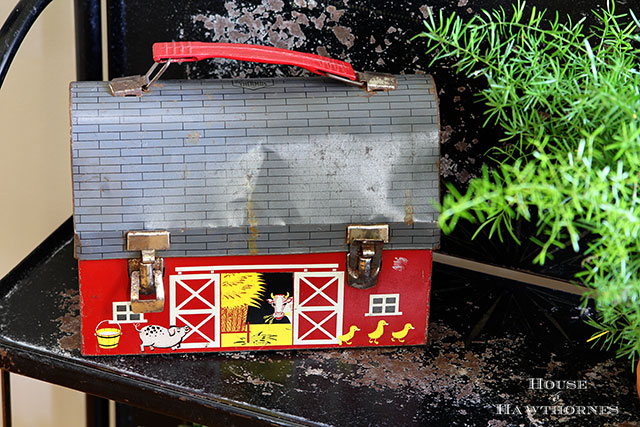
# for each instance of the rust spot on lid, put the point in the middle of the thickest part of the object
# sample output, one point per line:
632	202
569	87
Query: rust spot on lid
408	209
193	138
253	228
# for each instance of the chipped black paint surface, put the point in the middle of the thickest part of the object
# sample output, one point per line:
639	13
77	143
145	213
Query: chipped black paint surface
487	338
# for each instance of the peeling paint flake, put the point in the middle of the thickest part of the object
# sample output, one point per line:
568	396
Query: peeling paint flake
258	25
344	35
208	23
322	51
70	321
275	5
230	6
319	21
335	14
250	21
300	18
426	11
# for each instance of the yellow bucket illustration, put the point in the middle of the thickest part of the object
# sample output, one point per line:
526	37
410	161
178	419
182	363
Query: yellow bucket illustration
108	337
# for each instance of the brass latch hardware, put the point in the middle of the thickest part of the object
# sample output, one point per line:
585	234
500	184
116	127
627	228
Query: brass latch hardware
136	85
145	273
364	258
370	81
378	81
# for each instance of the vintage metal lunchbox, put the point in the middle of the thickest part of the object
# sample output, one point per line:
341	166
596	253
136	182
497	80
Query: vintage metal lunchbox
275	213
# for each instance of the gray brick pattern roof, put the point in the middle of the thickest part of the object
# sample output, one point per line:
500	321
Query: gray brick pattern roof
274	165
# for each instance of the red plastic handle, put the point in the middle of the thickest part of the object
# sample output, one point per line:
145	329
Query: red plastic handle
195	51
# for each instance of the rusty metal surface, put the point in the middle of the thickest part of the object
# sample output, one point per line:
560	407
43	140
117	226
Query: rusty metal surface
487	339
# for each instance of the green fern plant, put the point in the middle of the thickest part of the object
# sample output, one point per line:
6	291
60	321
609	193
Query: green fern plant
568	99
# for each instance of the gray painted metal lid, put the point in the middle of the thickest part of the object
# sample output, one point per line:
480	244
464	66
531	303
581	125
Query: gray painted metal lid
246	166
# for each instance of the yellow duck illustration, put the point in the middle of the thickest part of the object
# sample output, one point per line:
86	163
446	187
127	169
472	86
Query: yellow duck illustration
346	338
400	335
373	336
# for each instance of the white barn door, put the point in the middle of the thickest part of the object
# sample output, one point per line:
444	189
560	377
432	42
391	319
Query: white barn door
317	307
195	302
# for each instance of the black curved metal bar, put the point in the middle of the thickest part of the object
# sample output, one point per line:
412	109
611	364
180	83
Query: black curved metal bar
14	30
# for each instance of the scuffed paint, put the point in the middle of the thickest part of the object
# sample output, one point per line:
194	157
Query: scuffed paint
319	21
322	51
335	14
69	322
425	10
343	34
274	23
193	138
408	208
257	24
447	166
275	5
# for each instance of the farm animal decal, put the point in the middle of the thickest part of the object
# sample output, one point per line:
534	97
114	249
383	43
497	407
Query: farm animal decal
155	336
268	320
346	338
260	310
282	305
377	333
401	334
239	292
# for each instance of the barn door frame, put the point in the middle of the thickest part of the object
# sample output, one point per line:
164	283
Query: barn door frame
176	312
336	307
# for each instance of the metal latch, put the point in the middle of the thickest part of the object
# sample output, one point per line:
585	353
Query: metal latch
364	258
370	81
145	273
136	85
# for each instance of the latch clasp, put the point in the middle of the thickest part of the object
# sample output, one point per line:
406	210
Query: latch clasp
145	273
364	258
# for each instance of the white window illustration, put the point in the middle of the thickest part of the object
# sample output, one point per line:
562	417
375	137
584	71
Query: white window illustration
122	313
384	305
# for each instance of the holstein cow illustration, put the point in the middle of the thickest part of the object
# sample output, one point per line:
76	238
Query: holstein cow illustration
155	336
281	306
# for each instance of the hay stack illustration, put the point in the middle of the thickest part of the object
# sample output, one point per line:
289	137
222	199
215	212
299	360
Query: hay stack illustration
239	291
